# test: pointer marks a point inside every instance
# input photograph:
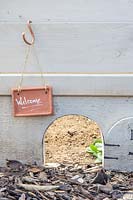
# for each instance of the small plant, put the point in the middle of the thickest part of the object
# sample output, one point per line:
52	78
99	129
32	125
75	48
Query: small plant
96	149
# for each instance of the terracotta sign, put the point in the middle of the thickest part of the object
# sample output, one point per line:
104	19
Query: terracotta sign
32	101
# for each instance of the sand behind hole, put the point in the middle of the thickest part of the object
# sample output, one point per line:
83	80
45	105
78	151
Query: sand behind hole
68	137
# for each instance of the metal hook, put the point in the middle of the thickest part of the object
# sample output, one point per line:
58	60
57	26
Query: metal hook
32	34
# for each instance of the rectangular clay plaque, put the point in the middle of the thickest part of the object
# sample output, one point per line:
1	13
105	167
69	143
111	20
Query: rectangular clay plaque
32	101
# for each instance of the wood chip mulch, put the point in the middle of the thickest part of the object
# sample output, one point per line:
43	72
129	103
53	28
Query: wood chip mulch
19	181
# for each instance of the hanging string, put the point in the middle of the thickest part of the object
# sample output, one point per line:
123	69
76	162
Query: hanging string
24	67
40	68
25	64
30	44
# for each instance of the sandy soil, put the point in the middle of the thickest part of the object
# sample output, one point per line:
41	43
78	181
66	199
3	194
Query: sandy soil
67	138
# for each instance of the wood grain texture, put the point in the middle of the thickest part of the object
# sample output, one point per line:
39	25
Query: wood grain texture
89	45
62	10
69	47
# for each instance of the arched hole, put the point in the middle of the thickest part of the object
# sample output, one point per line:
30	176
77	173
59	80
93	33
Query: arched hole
67	139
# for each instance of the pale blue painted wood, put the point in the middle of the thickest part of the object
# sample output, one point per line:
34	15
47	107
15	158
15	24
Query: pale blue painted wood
68	11
21	137
72	38
68	47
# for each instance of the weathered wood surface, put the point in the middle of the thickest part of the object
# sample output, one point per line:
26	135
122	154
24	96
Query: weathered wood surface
69	47
62	10
63	84
83	58
22	137
120	157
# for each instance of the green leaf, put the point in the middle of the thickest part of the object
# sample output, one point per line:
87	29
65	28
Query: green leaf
99	158
88	149
99	146
99	155
97	141
96	150
93	148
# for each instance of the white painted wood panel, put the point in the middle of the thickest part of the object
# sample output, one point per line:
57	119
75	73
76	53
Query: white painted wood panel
86	47
21	137
120	157
69	47
62	10
101	85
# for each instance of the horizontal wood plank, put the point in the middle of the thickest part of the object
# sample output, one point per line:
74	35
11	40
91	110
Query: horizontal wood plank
83	84
62	10
69	48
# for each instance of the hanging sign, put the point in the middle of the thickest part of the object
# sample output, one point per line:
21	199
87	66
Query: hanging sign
32	101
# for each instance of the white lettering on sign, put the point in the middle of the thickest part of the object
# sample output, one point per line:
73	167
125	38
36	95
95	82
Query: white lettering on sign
23	101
